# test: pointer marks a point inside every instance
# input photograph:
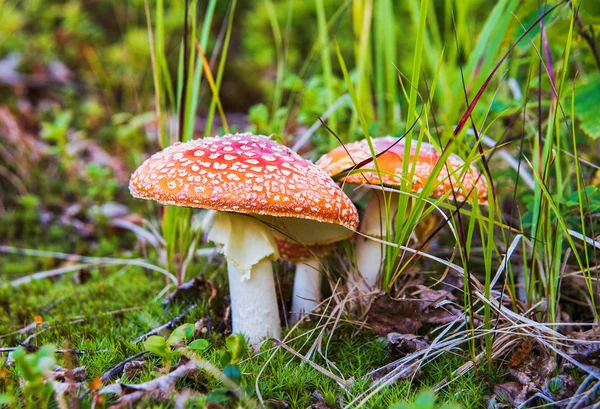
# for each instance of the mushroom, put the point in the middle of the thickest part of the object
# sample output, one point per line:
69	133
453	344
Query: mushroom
370	253
306	294
256	186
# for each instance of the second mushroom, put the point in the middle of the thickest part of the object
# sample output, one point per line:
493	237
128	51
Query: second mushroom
455	175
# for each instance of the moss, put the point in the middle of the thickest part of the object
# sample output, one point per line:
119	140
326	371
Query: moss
104	314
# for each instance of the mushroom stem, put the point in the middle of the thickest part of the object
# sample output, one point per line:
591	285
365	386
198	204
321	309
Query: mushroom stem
254	309
370	253
306	295
369	259
249	247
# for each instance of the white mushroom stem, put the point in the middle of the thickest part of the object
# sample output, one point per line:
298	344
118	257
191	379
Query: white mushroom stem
369	260
370	253
249	247
254	309
306	295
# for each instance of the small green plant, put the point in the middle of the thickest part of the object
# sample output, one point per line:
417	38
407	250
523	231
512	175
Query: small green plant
259	117
34	370
56	131
236	348
229	359
555	385
175	345
102	186
425	400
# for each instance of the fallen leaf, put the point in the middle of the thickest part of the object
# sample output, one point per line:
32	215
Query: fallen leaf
277	404
587	353
159	388
95	384
521	353
133	367
77	375
401	345
512	392
66	383
317	401
408	315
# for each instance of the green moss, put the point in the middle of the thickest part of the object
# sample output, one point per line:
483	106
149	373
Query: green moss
82	316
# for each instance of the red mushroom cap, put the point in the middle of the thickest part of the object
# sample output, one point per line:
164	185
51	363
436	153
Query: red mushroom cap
243	173
293	251
345	157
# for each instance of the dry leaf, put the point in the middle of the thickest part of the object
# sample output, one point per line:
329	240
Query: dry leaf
408	315
521	353
401	345
513	393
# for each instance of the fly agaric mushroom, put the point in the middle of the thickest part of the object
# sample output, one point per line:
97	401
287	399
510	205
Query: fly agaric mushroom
370	253
255	185
306	294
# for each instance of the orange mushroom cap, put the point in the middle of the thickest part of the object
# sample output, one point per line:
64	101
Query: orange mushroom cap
390	163
243	173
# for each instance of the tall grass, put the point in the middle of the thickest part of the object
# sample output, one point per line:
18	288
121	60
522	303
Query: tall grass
180	99
441	92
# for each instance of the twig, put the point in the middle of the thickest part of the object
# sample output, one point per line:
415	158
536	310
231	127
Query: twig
70	351
84	259
159	388
118	368
32	348
114	371
46	274
29	328
169	325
